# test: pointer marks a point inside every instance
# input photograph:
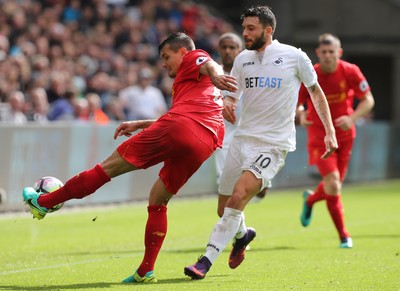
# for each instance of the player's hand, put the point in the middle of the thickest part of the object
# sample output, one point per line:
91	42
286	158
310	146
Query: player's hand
126	128
303	115
229	109
344	122
225	82
331	145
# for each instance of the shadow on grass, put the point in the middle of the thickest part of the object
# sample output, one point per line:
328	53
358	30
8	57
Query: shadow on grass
100	285
376	236
173	251
228	249
116	252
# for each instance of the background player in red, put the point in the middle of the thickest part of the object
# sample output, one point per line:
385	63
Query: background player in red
182	139
341	82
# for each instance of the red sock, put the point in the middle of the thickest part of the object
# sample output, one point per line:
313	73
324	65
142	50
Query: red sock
335	208
77	187
319	194
156	230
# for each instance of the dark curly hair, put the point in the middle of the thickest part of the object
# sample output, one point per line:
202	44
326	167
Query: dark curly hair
264	14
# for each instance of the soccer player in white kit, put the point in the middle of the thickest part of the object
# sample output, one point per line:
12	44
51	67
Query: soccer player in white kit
229	46
269	75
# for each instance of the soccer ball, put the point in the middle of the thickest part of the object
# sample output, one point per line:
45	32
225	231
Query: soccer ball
46	185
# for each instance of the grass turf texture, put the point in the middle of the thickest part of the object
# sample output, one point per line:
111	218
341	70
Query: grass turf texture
95	248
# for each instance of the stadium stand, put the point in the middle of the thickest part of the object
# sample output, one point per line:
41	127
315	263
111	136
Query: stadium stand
95	46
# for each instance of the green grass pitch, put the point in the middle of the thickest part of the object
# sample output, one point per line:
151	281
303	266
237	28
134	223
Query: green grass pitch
95	248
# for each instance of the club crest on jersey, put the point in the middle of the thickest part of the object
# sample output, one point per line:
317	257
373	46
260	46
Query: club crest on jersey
200	60
278	61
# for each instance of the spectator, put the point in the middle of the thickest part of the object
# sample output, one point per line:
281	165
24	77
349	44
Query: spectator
81	106
15	113
95	113
143	101
81	39
39	105
63	108
57	89
100	84
115	109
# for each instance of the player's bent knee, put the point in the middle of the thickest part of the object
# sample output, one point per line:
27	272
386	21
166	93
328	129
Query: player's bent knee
237	201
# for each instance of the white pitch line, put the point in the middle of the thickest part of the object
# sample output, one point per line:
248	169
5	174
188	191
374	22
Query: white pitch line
60	265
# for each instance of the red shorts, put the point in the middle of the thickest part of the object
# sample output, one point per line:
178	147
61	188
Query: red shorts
338	161
180	142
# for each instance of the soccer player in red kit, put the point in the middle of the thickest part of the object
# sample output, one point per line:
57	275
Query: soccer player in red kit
182	139
341	82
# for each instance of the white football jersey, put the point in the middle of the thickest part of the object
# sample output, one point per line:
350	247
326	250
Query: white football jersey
269	87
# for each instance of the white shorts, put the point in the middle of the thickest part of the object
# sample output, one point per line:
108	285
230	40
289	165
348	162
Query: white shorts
262	159
220	157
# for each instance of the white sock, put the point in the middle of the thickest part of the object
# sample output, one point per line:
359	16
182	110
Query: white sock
223	232
242	227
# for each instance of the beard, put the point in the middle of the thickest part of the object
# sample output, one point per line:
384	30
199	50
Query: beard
258	43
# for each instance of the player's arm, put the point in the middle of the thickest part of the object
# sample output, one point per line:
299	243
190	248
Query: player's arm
218	78
127	127
365	105
318	99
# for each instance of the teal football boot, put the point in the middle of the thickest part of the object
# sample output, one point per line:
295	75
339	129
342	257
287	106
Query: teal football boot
149	277
307	210
30	197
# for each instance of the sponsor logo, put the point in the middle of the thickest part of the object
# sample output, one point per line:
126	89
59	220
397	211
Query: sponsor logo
213	246
248	64
263	82
255	168
29	201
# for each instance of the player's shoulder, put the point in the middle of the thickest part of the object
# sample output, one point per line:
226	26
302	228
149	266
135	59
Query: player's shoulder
196	57
288	51
347	66
245	54
284	47
198	52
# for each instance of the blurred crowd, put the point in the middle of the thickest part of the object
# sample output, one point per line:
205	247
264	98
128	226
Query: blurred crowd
94	60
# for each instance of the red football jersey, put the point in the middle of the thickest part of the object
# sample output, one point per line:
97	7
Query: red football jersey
340	88
194	95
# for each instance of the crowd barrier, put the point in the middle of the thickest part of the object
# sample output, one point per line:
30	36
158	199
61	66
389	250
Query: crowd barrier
62	150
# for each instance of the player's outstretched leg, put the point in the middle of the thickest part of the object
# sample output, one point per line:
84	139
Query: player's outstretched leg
239	248
307	210
149	277
199	269
30	197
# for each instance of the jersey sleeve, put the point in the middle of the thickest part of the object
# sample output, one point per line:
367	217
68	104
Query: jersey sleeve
357	81
306	73
193	62
236	73
303	95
